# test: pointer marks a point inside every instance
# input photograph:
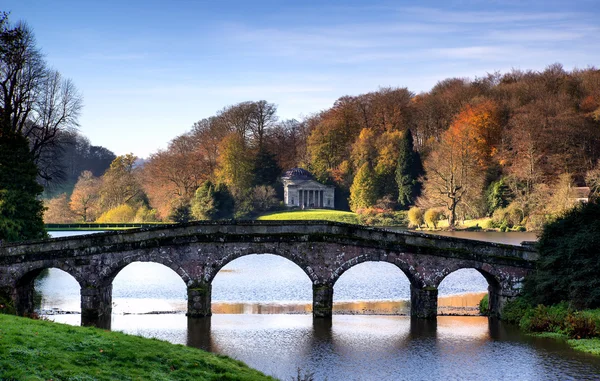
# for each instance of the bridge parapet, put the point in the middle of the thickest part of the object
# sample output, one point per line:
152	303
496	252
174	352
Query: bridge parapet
264	231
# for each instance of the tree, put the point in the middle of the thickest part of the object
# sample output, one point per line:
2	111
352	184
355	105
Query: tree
264	116
21	212
35	101
235	165
58	211
568	266
263	198
20	71
181	213
388	148
266	169
363	193
453	170
119	183
212	202
592	179
85	197
172	176
408	171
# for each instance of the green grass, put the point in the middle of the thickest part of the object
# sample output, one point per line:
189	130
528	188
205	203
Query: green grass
42	350
312	214
591	346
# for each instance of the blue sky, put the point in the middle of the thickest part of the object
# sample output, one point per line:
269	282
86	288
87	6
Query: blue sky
149	69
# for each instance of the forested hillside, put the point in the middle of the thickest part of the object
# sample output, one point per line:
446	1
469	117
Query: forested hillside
509	145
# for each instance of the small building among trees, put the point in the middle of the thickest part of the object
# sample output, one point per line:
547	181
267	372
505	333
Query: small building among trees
300	189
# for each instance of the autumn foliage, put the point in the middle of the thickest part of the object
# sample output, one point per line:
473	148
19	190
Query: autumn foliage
519	141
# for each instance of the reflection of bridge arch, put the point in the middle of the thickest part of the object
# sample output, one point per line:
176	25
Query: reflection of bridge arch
323	250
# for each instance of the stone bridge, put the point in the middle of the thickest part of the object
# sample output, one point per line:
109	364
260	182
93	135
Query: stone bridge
197	251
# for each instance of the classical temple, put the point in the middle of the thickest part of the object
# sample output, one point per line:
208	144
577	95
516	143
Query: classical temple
301	190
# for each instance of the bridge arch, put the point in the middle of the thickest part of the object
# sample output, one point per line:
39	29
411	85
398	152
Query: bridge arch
400	263
23	296
213	269
493	276
112	271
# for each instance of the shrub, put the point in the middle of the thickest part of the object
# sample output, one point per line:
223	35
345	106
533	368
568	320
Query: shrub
487	224
546	319
121	213
510	216
484	305
432	216
378	217
415	217
6	304
514	310
145	214
581	325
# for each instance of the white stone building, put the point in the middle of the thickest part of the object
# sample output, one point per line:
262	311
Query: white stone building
301	190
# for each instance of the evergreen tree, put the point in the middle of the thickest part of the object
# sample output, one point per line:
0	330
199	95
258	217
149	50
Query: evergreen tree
212	202
408	170
568	266
21	212
181	214
363	192
266	169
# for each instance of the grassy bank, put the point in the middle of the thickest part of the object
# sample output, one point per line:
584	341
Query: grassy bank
313	214
42	350
581	329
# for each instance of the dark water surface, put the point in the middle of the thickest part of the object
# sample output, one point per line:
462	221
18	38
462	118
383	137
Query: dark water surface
261	306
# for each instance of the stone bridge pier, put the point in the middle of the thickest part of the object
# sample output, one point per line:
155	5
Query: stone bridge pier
198	251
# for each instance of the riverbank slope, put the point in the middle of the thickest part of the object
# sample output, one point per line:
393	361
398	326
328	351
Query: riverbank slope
43	350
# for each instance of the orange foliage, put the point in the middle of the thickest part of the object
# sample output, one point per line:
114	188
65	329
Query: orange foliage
481	123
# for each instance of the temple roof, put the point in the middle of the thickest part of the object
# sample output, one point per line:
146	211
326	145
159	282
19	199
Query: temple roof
297	174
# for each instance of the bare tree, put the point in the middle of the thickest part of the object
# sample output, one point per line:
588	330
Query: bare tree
264	116
35	101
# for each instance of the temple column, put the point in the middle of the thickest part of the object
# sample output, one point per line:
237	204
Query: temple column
199	299
322	300
423	302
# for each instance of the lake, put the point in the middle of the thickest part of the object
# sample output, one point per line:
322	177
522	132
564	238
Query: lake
263	318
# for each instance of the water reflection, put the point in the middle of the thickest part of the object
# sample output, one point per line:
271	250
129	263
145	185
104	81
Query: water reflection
370	347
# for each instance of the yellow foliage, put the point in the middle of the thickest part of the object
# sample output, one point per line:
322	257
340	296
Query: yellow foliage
121	213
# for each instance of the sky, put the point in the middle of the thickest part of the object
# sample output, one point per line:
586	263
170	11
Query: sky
148	70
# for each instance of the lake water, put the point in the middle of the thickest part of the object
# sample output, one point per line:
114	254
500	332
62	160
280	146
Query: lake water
262	318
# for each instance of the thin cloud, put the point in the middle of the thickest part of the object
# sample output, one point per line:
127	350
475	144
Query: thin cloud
115	57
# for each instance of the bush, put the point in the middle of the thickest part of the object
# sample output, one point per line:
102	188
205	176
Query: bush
432	216
121	213
514	310
484	305
380	217
488	224
145	214
582	325
510	216
415	217
546	319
